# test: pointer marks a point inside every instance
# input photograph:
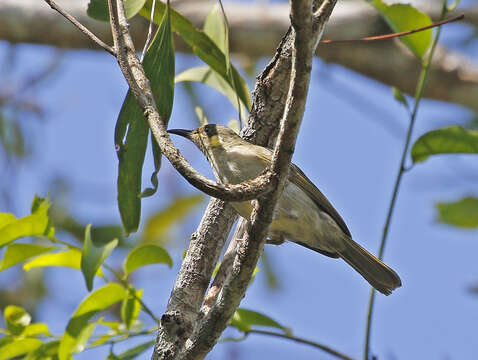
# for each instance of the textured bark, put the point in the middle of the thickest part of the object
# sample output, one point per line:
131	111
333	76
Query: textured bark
256	28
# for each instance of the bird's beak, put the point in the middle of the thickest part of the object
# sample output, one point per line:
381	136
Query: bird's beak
184	133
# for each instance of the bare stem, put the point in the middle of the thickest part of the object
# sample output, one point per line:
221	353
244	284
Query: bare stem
422	81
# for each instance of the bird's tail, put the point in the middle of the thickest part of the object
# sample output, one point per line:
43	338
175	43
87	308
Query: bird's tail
379	275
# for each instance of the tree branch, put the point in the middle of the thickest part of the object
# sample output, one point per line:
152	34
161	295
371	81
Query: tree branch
215	320
139	85
81	27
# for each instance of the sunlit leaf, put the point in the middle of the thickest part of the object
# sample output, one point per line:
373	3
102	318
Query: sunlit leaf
404	17
234	125
462	213
449	140
146	255
70	258
36	329
203	47
132	125
244	319
201	115
16	319
14	347
157	225
93	256
17	253
130	307
36	224
78	327
209	77
47	351
98	9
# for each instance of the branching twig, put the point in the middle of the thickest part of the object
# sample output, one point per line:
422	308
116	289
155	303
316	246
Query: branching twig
81	27
139	85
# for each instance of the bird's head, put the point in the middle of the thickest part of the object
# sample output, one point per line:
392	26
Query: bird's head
211	137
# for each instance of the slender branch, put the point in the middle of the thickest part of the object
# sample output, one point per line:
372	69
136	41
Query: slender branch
422	81
139	85
81	27
325	348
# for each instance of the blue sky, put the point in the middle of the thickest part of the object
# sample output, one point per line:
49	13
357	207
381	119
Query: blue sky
349	144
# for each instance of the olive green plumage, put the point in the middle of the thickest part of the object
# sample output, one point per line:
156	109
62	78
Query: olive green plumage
303	214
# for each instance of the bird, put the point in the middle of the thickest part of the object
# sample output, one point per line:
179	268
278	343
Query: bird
303	214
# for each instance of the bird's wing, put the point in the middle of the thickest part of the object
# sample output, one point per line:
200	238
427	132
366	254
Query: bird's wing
300	179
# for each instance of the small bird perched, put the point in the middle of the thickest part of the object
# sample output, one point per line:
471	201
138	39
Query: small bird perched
303	214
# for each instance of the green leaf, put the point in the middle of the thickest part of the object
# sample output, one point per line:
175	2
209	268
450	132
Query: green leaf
244	319
98	9
93	256
16	319
146	255
209	77
78	327
159	68
47	351
14	347
234	125
36	224
130	307
200	115
397	94
17	253
135	351
449	140
36	329
215	28
70	258
202	46
462	213
404	17
157	225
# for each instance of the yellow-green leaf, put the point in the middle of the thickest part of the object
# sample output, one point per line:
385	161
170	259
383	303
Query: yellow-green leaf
157	225
93	256
146	255
15	347
98	9
6	218
244	319
404	17
70	258
47	351
78	327
462	213
449	140
17	253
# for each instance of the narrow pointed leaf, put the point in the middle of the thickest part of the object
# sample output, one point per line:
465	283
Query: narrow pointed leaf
159	68
398	95
202	46
215	28
244	319
78	327
462	213
17	253
16	319
132	353
47	351
158	224
93	256
449	140
404	17
146	255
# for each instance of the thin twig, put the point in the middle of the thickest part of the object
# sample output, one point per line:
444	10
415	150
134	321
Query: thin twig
150	31
302	341
139	85
81	27
422	80
395	35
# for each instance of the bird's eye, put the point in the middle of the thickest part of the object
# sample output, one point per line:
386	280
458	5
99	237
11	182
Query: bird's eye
209	129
